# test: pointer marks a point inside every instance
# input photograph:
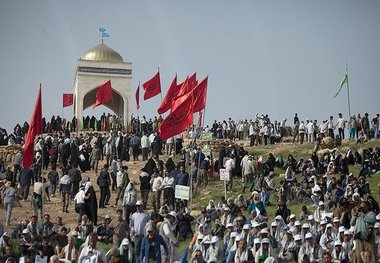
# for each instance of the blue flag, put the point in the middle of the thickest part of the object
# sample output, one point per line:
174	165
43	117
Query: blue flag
105	35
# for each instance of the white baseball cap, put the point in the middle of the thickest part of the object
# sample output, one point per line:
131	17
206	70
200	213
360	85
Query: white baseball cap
229	225
173	214
214	239
337	243
125	242
308	235
247	226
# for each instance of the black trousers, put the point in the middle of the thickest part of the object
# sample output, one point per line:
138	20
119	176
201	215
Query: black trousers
104	193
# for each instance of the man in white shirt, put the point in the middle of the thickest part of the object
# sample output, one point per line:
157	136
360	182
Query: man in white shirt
79	200
37	198
139	219
122	180
340	124
91	251
145	144
331	127
310	131
156	183
230	166
247	171
323	129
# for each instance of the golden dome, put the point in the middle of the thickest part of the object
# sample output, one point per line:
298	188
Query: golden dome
102	52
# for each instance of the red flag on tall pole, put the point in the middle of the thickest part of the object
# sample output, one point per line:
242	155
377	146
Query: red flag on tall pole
152	87
67	100
166	103
104	94
137	96
179	119
35	128
200	94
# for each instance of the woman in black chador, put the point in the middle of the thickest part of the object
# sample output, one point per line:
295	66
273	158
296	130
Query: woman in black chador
90	204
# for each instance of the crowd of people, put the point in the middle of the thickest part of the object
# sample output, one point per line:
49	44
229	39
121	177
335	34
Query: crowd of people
259	130
341	224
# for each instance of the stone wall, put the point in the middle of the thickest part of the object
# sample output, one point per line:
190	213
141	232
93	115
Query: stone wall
7	153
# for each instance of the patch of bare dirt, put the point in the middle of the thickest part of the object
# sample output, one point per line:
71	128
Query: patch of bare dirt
54	207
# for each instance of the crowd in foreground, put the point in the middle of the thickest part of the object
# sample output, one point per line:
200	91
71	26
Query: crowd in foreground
341	224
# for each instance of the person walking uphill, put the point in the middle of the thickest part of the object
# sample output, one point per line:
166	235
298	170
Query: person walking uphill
122	180
95	156
9	197
144	186
25	178
65	189
37	198
104	182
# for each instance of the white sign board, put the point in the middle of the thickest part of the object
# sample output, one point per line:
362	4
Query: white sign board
182	192
224	174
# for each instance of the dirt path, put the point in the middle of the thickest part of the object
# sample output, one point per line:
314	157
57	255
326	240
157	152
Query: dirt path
54	207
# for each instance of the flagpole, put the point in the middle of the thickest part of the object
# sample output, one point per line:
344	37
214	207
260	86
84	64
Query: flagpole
348	93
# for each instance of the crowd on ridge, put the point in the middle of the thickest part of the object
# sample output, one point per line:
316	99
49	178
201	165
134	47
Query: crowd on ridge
259	130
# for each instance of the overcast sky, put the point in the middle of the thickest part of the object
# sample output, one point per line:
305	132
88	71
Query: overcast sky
275	57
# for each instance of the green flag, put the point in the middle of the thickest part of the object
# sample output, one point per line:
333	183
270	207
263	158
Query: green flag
344	81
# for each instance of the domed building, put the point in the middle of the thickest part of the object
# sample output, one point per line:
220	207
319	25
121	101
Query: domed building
94	68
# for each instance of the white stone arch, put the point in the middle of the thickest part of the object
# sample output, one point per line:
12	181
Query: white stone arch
94	68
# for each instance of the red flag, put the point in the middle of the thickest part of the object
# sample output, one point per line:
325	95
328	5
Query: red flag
152	87
188	85
200	93
183	89
193	82
104	94
179	119
199	123
137	97
68	99
166	103
35	128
